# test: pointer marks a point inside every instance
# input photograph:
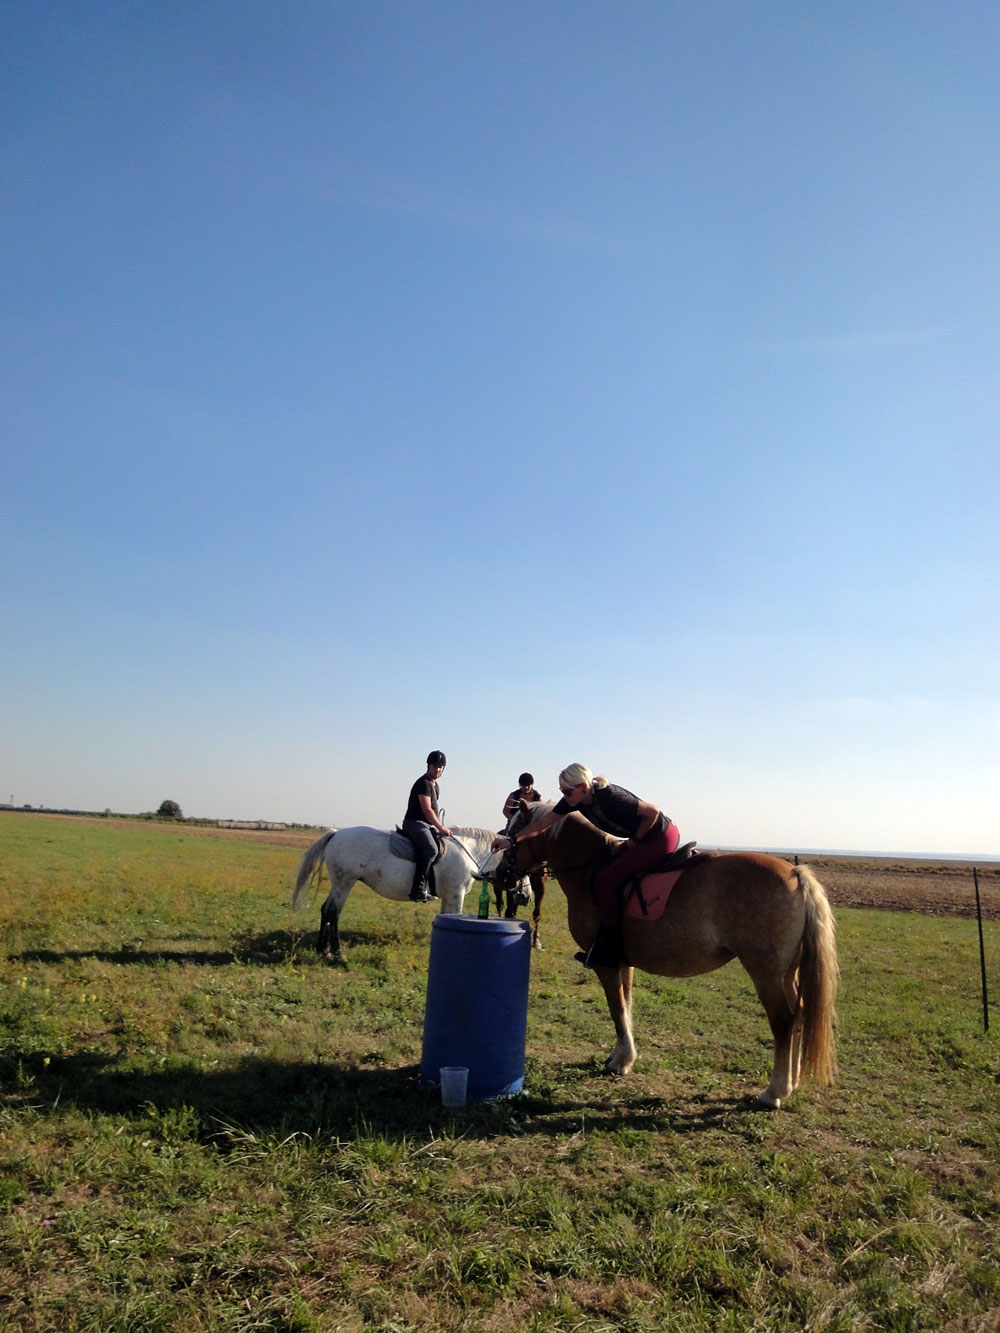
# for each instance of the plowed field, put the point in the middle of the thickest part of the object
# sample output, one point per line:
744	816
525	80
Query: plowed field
938	888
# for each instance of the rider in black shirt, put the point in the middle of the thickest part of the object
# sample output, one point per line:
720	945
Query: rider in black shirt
420	818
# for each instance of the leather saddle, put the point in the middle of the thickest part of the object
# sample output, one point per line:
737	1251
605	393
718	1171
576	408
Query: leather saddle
401	846
677	861
682	859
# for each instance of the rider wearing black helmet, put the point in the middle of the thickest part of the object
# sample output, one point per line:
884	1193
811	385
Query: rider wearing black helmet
421	817
525	791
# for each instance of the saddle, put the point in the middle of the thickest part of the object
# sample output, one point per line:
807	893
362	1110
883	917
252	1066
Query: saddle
401	846
646	895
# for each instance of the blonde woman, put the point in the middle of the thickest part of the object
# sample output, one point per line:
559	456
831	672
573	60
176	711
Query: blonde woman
648	835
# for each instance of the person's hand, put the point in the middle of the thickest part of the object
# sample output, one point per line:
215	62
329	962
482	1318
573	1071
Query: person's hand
500	841
445	832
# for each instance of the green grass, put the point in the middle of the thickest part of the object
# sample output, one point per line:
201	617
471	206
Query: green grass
204	1127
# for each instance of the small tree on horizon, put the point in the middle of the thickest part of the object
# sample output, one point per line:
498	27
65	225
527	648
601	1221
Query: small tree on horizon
170	810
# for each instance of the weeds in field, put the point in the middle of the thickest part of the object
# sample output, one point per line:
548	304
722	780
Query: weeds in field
205	1127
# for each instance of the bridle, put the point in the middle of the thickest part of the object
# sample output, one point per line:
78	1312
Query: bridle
507	863
507	873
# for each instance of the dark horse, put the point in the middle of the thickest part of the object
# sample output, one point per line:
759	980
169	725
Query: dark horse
511	897
774	917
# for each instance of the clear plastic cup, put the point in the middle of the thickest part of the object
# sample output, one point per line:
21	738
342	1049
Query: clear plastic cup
454	1085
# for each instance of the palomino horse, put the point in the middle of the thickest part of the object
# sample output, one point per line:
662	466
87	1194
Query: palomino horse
772	916
362	853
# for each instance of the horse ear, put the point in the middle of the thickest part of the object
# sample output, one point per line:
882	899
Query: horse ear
523	804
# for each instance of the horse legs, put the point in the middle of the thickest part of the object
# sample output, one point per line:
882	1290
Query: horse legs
791	989
328	943
538	893
617	984
786	1023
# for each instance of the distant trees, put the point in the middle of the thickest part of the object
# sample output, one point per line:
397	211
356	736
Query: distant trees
170	810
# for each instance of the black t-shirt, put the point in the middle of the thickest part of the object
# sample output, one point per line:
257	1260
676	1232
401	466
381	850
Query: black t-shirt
514	799
424	786
613	809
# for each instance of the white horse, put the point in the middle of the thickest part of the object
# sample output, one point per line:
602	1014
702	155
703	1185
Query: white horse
362	853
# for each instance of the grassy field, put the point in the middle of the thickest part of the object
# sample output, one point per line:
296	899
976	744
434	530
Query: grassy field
206	1128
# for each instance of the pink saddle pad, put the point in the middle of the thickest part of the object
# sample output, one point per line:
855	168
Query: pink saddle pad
655	890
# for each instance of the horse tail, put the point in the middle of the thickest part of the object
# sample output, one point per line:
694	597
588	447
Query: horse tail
819	977
311	863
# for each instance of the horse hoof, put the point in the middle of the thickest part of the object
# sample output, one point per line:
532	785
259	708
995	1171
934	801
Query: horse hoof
764	1102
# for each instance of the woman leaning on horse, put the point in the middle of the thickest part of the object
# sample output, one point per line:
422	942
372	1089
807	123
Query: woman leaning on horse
648	835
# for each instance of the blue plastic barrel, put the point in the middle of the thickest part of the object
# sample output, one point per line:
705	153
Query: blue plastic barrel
476	1012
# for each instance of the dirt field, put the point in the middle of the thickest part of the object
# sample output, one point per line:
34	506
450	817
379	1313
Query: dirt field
938	888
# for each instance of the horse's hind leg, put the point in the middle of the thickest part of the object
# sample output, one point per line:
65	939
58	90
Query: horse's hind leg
328	943
791	989
783	1019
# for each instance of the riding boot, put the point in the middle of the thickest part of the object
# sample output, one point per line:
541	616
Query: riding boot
418	893
607	950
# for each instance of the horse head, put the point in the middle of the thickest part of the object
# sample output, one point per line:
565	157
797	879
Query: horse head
516	862
572	843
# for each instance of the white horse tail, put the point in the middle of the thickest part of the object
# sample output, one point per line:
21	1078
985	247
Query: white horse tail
819	977
310	864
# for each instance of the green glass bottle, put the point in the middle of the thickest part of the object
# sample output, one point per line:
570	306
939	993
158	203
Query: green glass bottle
484	901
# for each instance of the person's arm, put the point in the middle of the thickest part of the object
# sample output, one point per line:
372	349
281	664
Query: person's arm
536	826
427	811
510	805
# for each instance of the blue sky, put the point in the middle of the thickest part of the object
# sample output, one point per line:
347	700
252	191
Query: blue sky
545	382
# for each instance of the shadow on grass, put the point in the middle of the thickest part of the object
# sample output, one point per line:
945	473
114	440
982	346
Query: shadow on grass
249	948
127	956
275	946
344	1102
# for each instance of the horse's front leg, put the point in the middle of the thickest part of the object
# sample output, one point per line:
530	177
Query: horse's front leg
538	892
617	983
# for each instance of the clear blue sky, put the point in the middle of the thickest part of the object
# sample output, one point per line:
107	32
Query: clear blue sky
541	381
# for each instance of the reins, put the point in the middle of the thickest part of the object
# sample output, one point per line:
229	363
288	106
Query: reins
478	873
